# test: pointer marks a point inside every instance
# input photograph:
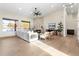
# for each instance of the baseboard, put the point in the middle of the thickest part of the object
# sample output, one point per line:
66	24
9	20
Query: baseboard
7	37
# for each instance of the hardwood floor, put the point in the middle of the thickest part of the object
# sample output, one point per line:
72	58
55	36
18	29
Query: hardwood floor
68	45
15	46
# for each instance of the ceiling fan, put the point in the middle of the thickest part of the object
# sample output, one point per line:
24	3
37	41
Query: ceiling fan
36	12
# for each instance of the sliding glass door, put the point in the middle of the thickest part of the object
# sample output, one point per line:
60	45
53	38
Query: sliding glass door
8	25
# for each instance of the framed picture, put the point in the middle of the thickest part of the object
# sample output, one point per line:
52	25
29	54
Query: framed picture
51	25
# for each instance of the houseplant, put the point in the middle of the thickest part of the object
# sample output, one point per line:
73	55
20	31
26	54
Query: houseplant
60	28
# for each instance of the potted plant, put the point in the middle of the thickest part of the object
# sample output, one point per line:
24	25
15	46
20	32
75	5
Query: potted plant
60	28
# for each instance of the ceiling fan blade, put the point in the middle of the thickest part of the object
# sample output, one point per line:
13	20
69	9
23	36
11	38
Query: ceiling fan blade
36	12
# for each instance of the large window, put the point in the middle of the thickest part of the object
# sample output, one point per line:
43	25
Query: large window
8	25
25	24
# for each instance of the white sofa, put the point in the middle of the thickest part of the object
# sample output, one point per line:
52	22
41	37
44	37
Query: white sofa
27	35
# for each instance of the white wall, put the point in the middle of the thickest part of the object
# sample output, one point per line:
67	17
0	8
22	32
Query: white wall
31	22
78	26
38	22
54	17
6	34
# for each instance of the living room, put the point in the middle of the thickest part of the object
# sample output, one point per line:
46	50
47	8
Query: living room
44	25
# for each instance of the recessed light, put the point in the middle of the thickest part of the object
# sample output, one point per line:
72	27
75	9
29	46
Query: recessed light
70	3
71	6
20	8
52	6
63	5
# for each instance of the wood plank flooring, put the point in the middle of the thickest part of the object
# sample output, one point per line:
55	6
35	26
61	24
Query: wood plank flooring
68	45
15	46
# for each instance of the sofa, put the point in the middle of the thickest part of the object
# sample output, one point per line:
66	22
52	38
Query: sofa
27	35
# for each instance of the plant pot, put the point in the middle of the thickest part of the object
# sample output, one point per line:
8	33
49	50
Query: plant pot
59	33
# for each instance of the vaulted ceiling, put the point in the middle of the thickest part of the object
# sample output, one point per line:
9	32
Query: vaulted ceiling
26	9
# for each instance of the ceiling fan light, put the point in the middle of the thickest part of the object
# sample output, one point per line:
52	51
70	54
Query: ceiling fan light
36	12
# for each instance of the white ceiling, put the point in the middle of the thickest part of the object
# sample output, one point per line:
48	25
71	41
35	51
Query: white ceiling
26	9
